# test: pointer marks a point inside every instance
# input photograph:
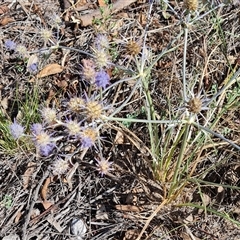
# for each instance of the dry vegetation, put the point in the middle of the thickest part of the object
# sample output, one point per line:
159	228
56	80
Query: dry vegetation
158	102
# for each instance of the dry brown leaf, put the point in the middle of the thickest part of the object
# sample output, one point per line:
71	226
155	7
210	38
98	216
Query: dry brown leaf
45	188
4	103
6	20
4	9
50	69
102	3
119	139
18	216
46	204
28	173
185	236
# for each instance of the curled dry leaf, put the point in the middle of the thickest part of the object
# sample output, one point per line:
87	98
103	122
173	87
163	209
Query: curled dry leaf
50	69
45	188
28	173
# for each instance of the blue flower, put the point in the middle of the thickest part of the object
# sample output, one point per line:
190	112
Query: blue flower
102	79
33	67
16	130
46	150
43	141
10	45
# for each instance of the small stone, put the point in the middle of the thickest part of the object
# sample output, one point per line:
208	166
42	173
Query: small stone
78	228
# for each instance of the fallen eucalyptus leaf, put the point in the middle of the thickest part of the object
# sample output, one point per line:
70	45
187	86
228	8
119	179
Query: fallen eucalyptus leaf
50	69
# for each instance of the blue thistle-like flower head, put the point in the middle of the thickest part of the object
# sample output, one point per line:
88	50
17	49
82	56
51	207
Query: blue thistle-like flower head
43	141
10	45
102	79
33	68
88	137
46	150
16	130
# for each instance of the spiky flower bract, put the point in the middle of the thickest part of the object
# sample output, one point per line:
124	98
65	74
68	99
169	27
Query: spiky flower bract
88	68
191	5
101	58
73	127
101	41
88	137
16	130
103	166
102	79
76	104
22	51
10	45
94	109
49	115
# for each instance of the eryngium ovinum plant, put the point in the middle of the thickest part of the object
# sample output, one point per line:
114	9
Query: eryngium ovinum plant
77	121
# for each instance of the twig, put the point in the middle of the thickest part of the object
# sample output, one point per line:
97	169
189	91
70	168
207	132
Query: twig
35	197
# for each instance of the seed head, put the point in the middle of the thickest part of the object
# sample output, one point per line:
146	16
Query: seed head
46	34
22	51
73	127
56	20
101	41
49	115
88	69
16	130
191	5
76	104
94	109
42	140
101	58
195	105
133	48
